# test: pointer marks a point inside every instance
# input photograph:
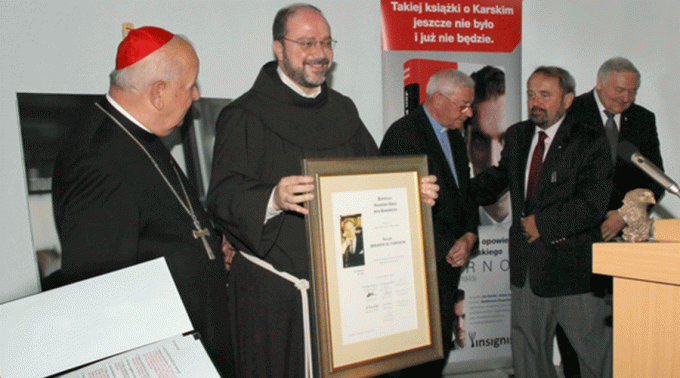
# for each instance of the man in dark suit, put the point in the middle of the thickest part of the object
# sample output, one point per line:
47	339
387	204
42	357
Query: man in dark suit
559	173
617	83
434	129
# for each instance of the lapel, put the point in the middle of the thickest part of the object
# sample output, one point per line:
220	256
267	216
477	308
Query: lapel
435	150
526	134
592	109
555	156
459	153
625	126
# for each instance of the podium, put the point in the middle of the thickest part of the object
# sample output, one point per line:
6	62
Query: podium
646	302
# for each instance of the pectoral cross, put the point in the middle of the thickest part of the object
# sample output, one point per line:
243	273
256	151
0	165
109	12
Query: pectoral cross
198	232
202	233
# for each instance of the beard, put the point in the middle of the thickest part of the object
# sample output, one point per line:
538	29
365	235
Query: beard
300	76
542	119
539	116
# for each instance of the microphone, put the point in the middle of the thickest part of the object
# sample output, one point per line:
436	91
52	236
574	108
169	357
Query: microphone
630	153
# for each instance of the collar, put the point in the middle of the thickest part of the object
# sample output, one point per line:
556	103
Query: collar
600	107
294	86
126	114
438	129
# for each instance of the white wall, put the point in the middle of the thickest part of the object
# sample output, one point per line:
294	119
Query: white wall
69	47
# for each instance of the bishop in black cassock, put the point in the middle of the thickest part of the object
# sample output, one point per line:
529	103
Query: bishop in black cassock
114	208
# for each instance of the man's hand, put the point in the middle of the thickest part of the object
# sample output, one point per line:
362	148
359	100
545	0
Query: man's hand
460	252
612	225
292	191
229	251
429	191
530	229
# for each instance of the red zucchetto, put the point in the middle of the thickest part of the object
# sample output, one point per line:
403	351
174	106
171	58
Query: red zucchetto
139	43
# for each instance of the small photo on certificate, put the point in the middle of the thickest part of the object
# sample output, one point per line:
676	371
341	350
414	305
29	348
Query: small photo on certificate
352	241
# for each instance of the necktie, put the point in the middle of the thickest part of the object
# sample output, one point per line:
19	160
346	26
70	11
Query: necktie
536	164
612	133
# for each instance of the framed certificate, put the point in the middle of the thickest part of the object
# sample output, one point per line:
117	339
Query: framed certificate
373	268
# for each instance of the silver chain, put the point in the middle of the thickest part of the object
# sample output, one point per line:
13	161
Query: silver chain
187	207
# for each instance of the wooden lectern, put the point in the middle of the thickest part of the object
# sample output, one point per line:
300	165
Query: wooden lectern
646	302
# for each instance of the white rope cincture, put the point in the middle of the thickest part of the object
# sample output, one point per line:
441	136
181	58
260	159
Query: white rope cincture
303	286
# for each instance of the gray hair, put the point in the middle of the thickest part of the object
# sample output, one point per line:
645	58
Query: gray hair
618	64
280	26
447	81
163	65
567	82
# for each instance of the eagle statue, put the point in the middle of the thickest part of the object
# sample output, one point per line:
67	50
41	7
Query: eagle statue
634	212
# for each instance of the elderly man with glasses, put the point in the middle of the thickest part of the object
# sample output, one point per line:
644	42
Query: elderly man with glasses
434	129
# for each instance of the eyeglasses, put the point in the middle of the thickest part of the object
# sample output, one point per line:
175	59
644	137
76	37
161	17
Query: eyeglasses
308	44
463	108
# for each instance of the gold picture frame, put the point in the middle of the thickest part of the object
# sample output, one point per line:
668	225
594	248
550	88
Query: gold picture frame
374	279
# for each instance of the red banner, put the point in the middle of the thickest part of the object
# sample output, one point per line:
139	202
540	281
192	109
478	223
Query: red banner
473	25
